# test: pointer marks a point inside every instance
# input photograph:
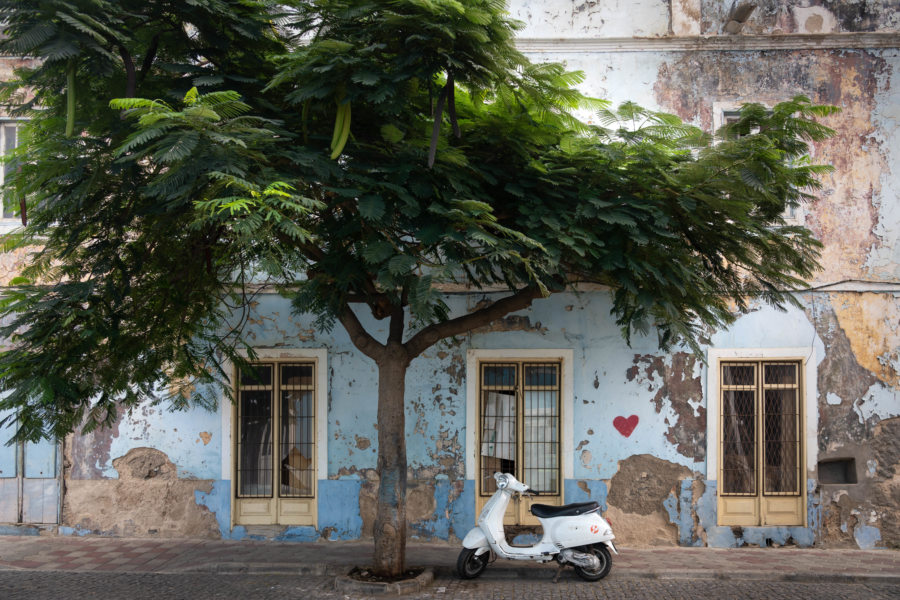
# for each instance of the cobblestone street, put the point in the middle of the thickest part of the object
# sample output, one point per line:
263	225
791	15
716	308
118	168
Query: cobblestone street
37	585
74	568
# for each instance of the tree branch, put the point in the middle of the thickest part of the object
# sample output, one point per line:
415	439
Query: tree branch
397	322
438	117
149	57
130	76
438	331
358	334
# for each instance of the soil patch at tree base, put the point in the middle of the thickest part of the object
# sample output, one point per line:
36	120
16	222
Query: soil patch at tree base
362	580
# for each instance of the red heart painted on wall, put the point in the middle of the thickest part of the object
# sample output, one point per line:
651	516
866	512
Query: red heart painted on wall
625	426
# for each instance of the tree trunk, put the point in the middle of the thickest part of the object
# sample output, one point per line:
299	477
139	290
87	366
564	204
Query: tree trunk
393	359
390	518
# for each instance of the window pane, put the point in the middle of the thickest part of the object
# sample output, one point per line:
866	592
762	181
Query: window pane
541	443
256	375
541	375
40	459
297	374
297	438
498	437
8	453
738	375
739	442
499	375
780	374
255	454
782	443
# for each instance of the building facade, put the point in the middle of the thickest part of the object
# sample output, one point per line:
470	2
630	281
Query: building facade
788	433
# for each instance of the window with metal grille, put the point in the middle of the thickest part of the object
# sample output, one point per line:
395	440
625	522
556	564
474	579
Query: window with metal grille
276	410
520	424
760	436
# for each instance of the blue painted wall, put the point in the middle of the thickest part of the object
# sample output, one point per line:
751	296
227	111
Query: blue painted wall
612	382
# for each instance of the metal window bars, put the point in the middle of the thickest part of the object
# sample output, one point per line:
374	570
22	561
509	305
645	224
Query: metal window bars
293	384
760	428
297	430
520	401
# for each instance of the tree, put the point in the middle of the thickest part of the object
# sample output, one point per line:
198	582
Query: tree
355	153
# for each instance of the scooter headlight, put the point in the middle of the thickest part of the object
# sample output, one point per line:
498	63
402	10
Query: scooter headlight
502	480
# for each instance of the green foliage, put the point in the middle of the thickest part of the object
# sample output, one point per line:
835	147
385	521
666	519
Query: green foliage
125	282
234	164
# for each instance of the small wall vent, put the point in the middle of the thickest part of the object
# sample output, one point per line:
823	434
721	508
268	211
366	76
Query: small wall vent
837	470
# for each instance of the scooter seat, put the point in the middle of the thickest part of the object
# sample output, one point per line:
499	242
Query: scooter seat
547	511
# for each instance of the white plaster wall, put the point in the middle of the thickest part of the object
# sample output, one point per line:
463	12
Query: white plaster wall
613	76
591	18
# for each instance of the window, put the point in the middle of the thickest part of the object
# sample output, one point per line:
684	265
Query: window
276	443
760	445
9	139
791	214
519	417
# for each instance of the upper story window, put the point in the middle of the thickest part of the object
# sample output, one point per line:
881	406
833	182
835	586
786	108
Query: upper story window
9	139
791	214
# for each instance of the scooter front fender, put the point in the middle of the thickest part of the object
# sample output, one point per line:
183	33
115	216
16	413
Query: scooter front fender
475	539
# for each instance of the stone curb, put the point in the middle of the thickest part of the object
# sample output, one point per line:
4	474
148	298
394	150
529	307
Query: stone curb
348	585
268	568
799	577
536	572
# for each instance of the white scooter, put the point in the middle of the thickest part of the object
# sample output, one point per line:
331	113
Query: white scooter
574	534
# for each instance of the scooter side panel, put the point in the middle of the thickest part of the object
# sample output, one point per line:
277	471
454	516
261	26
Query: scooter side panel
475	539
582	530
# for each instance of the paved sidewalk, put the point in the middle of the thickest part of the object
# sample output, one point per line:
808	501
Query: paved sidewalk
143	555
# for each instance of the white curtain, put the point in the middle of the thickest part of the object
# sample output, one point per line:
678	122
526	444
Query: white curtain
499	433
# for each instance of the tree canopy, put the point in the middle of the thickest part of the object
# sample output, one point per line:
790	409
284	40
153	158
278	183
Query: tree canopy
179	154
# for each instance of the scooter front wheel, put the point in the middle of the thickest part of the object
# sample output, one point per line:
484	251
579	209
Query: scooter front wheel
602	554
470	566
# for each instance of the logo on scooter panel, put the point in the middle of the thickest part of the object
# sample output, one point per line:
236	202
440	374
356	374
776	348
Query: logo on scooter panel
594	529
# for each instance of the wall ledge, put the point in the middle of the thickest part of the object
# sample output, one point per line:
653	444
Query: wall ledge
719	43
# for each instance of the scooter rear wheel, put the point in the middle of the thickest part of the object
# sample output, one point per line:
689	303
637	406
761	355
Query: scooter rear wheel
602	553
470	566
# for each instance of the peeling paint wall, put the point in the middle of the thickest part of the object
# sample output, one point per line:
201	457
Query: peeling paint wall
775	17
643	437
147	499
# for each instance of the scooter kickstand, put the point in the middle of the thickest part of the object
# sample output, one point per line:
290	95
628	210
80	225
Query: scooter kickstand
558	572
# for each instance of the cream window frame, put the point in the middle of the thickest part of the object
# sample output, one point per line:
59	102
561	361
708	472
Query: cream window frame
228	411
518	390
474	358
